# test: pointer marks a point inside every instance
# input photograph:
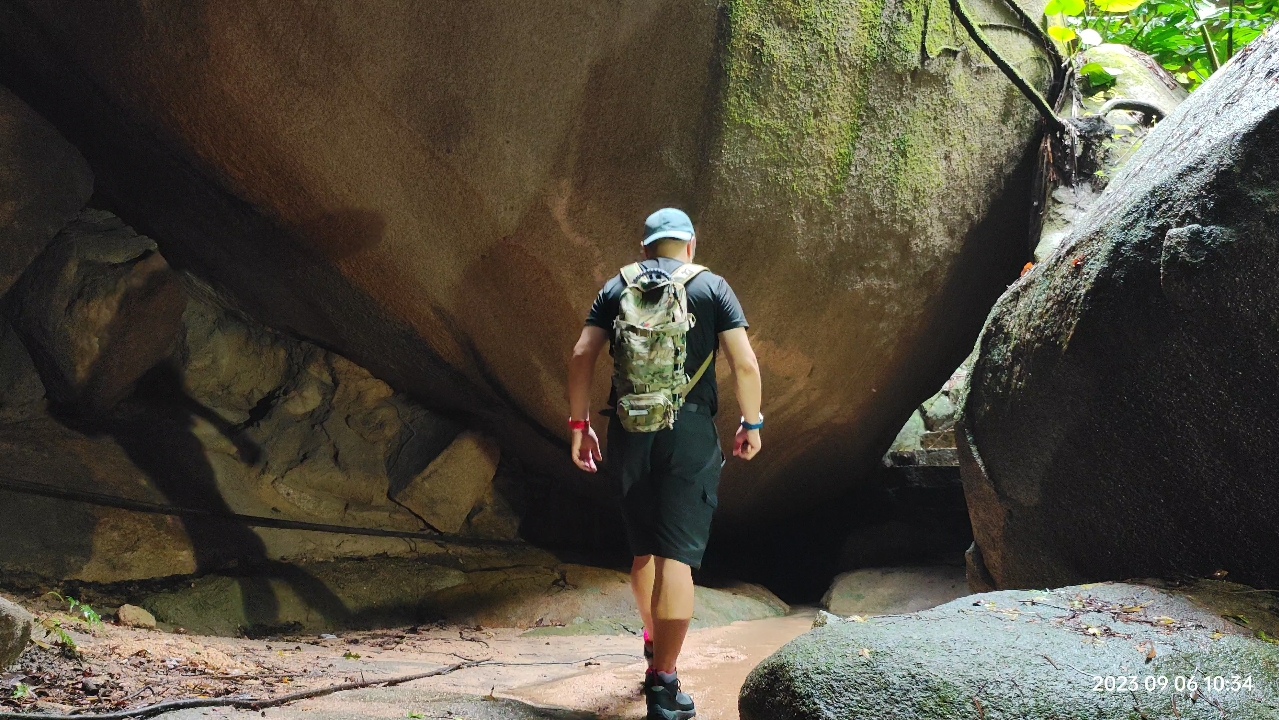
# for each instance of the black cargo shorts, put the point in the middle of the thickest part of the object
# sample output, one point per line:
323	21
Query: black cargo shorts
668	483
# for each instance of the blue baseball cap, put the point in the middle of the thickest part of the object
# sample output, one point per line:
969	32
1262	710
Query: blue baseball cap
667	223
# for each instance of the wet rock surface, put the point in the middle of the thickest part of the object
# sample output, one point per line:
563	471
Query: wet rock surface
1108	139
1032	655
1115	425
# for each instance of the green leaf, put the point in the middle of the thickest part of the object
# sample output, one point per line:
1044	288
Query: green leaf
1098	76
1071	7
1062	34
1118	6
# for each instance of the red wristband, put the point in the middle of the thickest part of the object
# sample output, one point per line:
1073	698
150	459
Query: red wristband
579	424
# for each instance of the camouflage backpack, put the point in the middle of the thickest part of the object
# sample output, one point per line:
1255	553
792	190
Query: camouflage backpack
649	347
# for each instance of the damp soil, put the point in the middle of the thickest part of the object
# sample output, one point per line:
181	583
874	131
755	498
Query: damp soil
116	668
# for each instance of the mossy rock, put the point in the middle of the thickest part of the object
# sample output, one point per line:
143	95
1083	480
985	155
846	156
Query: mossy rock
1029	655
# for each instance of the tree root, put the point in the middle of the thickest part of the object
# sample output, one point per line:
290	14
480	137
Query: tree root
1150	110
242	703
264	703
1045	110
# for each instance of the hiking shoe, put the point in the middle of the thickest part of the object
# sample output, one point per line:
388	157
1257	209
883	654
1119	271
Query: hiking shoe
665	699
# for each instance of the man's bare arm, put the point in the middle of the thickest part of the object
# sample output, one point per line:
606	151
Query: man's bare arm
581	370
750	392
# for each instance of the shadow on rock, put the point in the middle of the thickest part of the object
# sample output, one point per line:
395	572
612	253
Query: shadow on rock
156	429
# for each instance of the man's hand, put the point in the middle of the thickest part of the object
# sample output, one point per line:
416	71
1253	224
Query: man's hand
586	449
749	393
747	443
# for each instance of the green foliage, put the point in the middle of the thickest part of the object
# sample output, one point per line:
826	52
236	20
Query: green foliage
82	609
1064	7
21	691
1189	38
53	626
1096	77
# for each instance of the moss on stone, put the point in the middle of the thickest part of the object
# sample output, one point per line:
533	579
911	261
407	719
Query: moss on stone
798	81
829	97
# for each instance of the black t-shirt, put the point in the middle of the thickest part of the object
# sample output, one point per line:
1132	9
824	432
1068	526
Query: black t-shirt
710	300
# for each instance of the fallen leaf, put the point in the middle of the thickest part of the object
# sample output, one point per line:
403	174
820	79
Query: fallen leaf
864	652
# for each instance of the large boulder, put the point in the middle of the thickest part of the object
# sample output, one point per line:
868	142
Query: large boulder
43	183
1117	420
204	408
437	190
1095	651
98	309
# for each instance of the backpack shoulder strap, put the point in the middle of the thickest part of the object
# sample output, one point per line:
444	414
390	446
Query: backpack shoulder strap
687	387
631	273
686	272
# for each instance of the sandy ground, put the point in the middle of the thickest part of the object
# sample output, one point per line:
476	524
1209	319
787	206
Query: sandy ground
523	676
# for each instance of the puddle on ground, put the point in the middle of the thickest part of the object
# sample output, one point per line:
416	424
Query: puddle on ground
713	666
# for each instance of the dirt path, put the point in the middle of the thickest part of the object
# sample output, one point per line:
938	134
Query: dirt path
713	667
589	674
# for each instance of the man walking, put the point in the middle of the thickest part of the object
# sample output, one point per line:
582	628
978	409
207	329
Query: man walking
662	316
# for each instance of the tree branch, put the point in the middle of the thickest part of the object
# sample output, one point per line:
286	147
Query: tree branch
1045	110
